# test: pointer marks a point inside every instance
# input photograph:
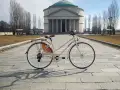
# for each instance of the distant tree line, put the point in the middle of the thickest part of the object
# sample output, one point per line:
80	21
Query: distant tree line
105	23
19	18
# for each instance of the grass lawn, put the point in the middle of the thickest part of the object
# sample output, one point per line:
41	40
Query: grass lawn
111	39
6	40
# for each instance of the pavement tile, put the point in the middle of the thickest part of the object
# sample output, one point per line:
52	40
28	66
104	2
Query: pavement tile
40	80
82	86
110	70
94	69
109	86
95	79
6	82
104	65
21	87
65	79
40	86
105	74
115	78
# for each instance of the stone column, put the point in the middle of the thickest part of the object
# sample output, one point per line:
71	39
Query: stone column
56	25
61	24
74	24
48	25
65	25
52	25
69	24
77	25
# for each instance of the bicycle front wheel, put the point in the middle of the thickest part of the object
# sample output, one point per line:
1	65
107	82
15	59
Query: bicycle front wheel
82	55
36	56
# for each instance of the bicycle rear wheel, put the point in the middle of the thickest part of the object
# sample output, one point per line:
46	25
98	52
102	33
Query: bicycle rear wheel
37	57
82	55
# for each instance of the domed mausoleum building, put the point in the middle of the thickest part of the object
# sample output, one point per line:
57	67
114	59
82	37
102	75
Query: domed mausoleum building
63	17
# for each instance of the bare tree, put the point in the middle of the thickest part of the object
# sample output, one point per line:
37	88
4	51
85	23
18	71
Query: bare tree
34	23
89	23
95	25
19	18
27	22
113	16
99	24
12	16
39	23
105	21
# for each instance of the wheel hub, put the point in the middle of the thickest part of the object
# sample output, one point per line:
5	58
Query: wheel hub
82	56
39	56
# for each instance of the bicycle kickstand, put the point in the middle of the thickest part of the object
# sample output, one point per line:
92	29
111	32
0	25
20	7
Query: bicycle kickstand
57	64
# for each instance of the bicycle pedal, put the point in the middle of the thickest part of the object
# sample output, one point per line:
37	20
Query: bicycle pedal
57	58
63	57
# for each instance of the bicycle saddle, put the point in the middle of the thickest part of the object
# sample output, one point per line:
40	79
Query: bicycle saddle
50	36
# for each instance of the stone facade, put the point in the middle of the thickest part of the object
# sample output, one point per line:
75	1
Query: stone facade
60	19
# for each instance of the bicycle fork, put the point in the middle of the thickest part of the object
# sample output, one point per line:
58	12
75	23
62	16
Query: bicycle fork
77	46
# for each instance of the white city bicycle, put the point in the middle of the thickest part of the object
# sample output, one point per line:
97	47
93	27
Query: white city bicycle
41	54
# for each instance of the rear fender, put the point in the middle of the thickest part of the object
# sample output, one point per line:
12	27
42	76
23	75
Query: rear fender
46	42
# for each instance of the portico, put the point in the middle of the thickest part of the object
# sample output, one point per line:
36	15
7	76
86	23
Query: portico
63	25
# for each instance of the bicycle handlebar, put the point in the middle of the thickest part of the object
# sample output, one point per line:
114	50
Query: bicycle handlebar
72	33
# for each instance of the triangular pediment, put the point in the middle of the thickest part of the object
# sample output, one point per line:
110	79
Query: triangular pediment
63	12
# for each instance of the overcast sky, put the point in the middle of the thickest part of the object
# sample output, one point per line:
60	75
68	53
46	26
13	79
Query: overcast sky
36	7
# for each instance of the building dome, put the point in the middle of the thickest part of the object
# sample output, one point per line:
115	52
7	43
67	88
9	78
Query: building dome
63	3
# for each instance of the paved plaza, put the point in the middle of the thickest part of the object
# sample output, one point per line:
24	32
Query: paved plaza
17	74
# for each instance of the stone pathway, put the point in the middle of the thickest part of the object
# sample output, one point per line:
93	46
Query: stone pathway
17	74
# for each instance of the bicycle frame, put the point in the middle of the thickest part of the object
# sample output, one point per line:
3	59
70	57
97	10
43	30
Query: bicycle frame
73	40
69	42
